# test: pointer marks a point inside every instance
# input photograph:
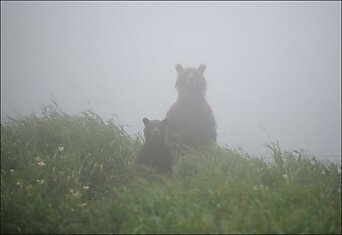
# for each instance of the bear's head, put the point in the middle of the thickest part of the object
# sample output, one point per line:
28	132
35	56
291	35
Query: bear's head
191	82
155	130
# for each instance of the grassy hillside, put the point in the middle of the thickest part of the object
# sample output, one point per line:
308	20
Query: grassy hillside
76	174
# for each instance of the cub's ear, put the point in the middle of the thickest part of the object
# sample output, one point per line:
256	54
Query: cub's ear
179	68
202	68
146	121
165	122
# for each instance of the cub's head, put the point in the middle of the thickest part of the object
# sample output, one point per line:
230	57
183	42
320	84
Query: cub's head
190	81
155	130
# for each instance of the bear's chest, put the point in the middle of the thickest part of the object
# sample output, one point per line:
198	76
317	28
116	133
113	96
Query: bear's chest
192	115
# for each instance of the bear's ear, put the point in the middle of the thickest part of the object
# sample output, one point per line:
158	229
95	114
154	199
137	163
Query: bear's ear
179	68
146	121
165	121
202	68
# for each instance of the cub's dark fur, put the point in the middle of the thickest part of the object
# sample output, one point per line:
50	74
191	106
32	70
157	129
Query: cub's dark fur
155	152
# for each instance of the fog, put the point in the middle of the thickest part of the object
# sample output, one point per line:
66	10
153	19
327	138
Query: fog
273	68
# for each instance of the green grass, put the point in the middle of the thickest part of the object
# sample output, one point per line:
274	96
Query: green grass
94	185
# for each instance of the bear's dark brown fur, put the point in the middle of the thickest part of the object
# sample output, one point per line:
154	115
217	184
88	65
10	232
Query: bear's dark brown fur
155	152
191	120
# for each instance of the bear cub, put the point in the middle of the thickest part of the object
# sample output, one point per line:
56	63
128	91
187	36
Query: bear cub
155	152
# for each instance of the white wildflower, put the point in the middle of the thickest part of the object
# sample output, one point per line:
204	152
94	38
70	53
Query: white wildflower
19	184
40	181
86	187
75	193
41	163
38	159
61	148
285	176
313	161
11	170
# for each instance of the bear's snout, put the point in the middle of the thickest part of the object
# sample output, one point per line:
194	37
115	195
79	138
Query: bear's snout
155	132
191	82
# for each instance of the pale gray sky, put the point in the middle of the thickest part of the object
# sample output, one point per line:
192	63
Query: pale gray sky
273	68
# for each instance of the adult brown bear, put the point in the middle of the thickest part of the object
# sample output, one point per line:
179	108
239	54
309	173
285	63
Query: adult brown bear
191	120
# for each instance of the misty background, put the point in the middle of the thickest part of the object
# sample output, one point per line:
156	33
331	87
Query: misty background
273	68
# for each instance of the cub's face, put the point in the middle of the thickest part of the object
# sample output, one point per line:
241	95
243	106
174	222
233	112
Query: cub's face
155	130
191	81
